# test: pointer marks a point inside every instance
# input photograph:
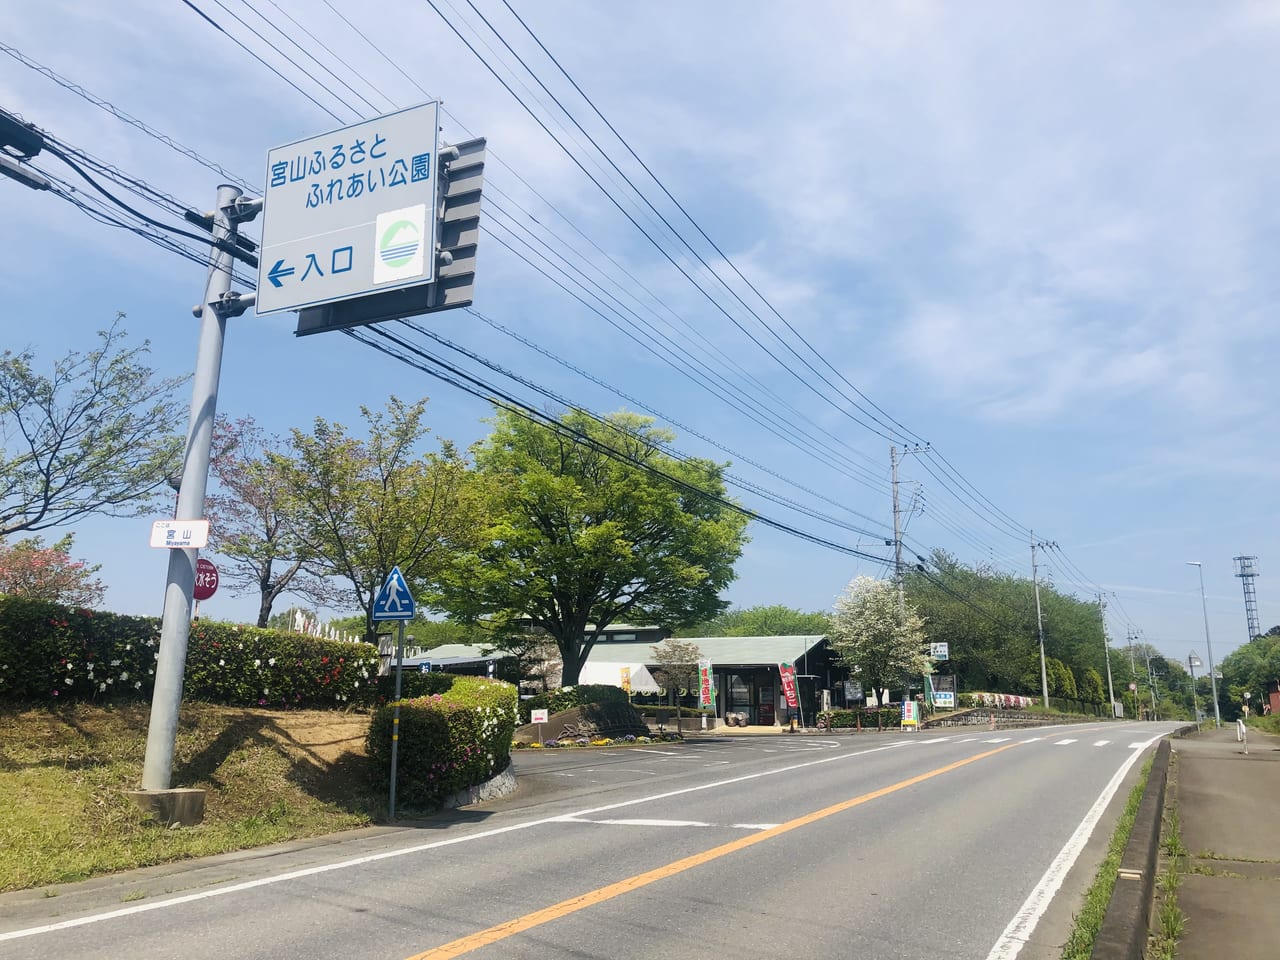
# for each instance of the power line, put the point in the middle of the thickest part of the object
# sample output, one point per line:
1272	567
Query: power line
124	117
485	391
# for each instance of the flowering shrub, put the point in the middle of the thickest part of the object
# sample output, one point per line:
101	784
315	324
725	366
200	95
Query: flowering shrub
1000	701
51	653
597	742
449	741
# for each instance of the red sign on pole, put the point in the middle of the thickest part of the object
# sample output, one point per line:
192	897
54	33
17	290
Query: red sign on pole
206	579
788	674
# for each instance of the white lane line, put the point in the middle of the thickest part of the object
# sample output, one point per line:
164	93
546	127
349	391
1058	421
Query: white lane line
1101	743
967	740
1063	743
663	753
1023	924
1032	739
998	740
937	740
417	848
640	822
1138	744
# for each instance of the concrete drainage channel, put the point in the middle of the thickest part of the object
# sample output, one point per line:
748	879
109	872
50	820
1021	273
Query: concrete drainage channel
1123	934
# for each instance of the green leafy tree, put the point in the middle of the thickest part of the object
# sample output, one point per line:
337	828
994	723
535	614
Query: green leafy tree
1091	686
761	621
1062	682
677	667
1250	668
30	569
871	634
362	506
583	538
96	435
249	520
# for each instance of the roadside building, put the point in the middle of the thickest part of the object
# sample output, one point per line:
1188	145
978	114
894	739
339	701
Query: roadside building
745	671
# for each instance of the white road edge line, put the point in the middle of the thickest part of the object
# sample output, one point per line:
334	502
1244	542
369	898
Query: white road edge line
416	848
1024	921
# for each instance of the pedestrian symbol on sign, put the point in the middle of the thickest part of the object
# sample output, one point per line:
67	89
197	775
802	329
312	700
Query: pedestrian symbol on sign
394	602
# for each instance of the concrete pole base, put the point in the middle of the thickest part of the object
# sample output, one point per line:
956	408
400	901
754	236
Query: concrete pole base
180	805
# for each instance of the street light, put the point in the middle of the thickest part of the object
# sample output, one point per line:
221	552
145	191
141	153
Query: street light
1213	673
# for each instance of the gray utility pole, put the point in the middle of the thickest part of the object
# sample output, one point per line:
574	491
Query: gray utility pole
897	534
1106	648
1213	671
1151	681
1192	662
1044	672
219	303
898	571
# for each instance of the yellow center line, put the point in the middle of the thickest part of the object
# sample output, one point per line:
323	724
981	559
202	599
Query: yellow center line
564	908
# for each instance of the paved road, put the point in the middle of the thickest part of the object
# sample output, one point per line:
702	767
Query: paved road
885	846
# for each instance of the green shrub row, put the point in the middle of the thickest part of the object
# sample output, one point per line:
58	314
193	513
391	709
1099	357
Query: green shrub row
451	740
868	717
51	653
567	698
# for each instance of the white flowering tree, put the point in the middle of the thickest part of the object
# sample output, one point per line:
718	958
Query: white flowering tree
869	632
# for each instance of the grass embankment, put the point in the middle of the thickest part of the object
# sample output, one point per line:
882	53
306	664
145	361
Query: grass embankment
1268	724
270	776
1079	945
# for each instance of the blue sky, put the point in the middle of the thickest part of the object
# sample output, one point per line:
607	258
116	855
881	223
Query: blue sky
1037	236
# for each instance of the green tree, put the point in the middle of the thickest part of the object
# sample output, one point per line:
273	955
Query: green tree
677	667
1091	686
30	569
761	621
586	535
94	436
249	520
1062	682
1249	669
361	507
870	634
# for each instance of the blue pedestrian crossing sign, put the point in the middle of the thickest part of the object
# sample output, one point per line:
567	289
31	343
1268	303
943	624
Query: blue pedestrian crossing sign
393	602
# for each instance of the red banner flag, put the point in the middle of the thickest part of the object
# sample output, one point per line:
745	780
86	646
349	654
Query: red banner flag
788	673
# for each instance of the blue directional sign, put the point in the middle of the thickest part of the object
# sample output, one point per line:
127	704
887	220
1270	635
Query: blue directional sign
351	213
424	666
393	602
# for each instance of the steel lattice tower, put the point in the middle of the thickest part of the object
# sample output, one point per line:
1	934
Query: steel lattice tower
1247	573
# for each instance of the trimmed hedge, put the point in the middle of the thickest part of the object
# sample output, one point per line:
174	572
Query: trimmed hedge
566	698
51	653
449	741
848	719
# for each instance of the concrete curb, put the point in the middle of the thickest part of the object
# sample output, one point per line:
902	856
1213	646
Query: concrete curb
1123	935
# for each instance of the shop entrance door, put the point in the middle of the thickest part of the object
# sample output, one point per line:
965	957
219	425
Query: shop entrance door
742	695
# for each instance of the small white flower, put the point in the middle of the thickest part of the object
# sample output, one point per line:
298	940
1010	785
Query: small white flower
128	646
271	662
115	663
124	675
222	663
101	687
137	684
265	691
67	681
257	664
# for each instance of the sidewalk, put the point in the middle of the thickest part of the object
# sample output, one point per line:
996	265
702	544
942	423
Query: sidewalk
1229	810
